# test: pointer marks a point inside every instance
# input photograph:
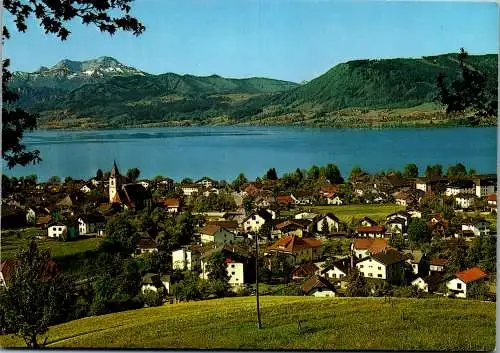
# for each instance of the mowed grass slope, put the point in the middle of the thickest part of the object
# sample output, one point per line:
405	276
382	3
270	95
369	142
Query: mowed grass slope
327	323
11	244
346	213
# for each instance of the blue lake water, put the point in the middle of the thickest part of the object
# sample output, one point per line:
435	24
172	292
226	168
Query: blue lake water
224	152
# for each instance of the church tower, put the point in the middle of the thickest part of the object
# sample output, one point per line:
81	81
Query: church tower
114	182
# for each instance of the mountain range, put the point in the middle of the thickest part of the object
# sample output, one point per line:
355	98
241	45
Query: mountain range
105	93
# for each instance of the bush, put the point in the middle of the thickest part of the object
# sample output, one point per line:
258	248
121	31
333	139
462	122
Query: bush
242	292
152	298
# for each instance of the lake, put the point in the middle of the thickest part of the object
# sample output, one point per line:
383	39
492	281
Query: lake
224	152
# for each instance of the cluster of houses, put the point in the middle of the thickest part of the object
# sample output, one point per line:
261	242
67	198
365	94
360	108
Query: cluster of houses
298	238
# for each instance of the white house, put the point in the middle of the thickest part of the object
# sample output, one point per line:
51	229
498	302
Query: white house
485	186
207	183
318	286
371	232
189	190
253	222
91	224
479	226
414	258
382	265
420	284
235	267
465	200
460	187
86	189
334	224
332	199
338	269
154	282
216	234
57	230
457	286
437	265
186	258
305	215
492	202
367	222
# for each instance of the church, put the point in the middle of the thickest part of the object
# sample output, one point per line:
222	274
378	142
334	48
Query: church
128	195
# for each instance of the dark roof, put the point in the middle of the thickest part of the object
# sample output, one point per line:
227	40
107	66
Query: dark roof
304	270
316	282
342	264
146	243
136	192
332	216
92	218
369	220
388	257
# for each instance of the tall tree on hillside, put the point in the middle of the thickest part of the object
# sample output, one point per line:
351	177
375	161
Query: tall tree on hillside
434	171
410	171
217	274
332	173
469	92
271	174
36	296
99	174
133	174
54	16
240	180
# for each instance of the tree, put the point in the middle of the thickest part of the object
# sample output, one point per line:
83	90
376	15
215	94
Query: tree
325	229
397	241
313	172
133	174
99	174
418	232
54	16
356	172
67	179
36	296
121	235
54	180
332	173
248	204
356	284
271	174
456	171
434	171
468	93
240	180
410	171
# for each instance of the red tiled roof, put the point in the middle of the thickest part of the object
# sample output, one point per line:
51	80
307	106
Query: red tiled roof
210	229
170	202
372	229
328	189
492	197
292	244
471	275
284	199
373	245
439	262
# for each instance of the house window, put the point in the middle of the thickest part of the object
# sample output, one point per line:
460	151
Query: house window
232	273
334	276
370	275
253	218
379	275
360	266
379	268
232	266
459	285
60	229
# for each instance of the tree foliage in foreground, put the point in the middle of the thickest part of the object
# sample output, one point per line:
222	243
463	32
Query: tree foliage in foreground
36	296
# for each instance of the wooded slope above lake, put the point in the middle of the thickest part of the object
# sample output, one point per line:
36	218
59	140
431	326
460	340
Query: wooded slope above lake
105	93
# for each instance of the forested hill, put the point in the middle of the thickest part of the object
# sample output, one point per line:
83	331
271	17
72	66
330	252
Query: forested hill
388	83
104	93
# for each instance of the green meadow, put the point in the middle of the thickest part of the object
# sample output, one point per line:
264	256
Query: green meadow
302	323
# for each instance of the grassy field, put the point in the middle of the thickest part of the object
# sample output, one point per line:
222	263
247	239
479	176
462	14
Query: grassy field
347	212
11	243
326	323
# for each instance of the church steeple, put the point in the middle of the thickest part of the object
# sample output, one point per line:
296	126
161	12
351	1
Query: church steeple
114	183
114	171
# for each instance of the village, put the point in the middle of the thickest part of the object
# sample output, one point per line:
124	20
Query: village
402	235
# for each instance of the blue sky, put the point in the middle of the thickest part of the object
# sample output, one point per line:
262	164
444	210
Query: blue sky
290	40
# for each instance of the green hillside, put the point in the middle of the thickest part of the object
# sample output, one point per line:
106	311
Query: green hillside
326	324
390	83
387	92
